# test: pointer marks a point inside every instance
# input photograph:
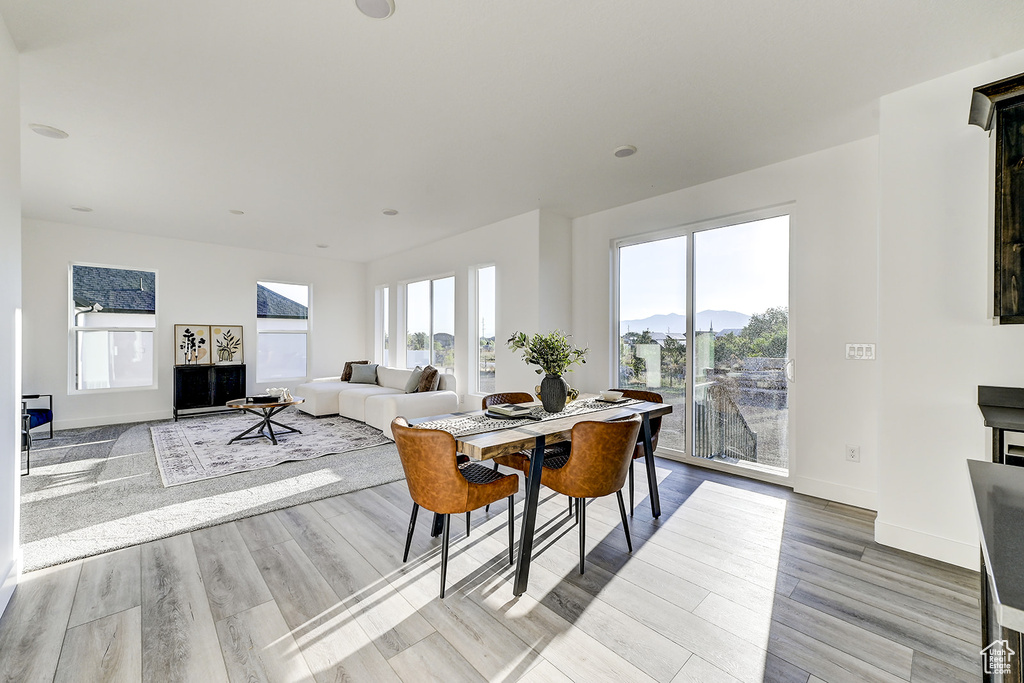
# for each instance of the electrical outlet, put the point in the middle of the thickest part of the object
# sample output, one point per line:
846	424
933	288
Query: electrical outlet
853	453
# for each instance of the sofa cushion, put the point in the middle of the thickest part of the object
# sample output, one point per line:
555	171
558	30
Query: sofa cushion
381	409
393	378
346	374
351	403
364	374
321	397
429	379
446	383
413	382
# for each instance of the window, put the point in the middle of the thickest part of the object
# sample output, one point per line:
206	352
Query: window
485	333
282	321
383	321
430	324
113	315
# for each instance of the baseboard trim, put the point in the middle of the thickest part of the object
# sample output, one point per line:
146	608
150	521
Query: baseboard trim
98	421
10	582
920	543
828	490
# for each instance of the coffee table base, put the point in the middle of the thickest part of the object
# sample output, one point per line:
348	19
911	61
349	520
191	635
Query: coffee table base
265	426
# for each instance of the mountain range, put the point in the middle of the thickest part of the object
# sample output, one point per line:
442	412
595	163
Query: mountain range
676	322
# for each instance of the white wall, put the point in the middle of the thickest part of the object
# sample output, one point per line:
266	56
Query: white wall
513	246
832	201
10	310
937	338
196	284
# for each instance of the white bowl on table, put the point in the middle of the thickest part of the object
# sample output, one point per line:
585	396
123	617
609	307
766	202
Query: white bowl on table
611	395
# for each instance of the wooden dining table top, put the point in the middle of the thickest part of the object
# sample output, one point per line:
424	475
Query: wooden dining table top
487	445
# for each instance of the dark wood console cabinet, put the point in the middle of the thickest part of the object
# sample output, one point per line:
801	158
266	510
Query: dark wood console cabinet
206	386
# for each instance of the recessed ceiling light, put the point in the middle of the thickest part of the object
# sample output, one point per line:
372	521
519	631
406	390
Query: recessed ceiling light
237	212
48	131
83	209
376	9
322	246
390	212
625	151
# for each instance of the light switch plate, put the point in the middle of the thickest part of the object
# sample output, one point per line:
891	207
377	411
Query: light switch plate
860	352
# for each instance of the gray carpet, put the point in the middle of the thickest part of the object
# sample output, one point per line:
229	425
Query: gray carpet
97	489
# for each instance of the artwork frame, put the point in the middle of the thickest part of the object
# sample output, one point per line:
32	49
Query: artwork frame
226	346
192	345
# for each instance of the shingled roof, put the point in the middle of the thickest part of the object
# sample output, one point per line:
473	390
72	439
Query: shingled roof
270	304
116	290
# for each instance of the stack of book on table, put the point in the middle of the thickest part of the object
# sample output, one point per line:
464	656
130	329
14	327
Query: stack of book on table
512	409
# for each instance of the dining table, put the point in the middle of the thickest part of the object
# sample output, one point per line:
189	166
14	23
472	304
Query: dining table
531	438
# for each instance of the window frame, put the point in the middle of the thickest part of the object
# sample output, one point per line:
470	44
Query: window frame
308	331
382	325
475	325
404	289
688	231
74	329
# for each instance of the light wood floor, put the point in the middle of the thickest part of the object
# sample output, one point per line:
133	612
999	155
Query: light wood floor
737	581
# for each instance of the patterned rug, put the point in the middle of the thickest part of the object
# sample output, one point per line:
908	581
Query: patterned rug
197	448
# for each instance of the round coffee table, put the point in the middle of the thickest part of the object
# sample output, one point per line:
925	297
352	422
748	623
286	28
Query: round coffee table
264	411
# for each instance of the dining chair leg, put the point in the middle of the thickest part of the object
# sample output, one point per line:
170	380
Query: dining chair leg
630	488
569	498
412	525
444	552
581	512
511	530
487	508
467	525
625	524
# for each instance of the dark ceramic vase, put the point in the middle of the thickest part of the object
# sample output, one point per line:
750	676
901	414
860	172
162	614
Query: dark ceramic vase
553	392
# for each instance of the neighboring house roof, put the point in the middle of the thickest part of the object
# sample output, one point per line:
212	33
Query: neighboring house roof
114	289
270	304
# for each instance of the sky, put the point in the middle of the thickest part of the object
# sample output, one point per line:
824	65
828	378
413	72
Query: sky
742	268
485	301
418	306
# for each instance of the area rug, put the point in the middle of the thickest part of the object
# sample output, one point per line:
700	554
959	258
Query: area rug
197	448
97	489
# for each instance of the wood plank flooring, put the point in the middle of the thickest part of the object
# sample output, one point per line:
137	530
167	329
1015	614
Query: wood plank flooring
738	581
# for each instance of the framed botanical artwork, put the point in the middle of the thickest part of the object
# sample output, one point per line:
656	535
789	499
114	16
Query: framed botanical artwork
227	344
192	345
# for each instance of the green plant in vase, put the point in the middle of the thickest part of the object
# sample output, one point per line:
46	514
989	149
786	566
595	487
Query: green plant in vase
555	355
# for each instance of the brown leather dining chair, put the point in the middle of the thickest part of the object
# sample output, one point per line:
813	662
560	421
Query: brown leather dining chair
638	452
554	453
439	484
597	465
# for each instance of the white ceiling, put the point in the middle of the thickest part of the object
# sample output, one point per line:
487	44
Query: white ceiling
313	118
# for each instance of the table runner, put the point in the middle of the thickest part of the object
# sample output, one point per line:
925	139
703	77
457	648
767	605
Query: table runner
464	425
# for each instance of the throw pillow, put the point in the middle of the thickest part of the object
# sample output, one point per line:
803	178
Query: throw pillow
429	379
414	380
364	373
346	374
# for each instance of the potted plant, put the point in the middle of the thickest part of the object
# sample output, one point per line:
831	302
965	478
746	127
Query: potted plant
555	355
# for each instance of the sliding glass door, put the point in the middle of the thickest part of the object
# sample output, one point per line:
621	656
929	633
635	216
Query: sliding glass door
652	327
741	334
715	321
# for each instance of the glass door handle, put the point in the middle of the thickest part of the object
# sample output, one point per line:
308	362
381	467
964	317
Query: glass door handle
789	370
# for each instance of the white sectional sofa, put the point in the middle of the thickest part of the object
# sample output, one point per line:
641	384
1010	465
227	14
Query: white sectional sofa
377	404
